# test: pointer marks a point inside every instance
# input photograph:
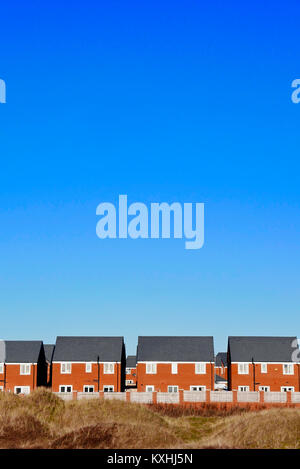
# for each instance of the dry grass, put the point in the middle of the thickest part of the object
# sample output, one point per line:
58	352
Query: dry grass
42	420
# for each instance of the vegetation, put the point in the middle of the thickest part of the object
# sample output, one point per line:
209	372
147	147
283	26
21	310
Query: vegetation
42	420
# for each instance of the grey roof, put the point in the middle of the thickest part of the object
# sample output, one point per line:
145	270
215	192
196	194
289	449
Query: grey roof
22	351
177	349
131	361
49	350
262	349
221	359
108	349
220	379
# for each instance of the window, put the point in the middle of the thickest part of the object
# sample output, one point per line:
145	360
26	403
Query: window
1	368
88	388
197	388
243	368
109	368
149	388
108	388
128	371
172	388
65	388
88	367
25	369
151	368
264	368
243	388
22	389
174	368
1	388
200	368
129	381
287	388
264	388
65	368
288	368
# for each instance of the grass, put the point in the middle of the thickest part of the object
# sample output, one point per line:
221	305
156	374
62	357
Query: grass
42	420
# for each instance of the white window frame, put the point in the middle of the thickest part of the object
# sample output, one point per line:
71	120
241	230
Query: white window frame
151	368
88	367
290	370
200	368
129	381
264	368
108	368
1	368
128	371
243	368
1	388
66	368
65	386
243	388
25	369
150	388
264	388
90	386
108	388
24	389
198	388
287	389
174	368
172	388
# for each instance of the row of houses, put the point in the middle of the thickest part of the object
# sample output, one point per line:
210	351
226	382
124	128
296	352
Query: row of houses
162	364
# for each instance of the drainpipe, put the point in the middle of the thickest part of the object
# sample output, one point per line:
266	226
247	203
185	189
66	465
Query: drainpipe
98	377
253	374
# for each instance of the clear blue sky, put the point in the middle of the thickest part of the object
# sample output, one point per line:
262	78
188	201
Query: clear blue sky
163	101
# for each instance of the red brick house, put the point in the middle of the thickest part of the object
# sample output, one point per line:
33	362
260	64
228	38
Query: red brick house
22	366
88	364
171	364
221	381
131	373
262	364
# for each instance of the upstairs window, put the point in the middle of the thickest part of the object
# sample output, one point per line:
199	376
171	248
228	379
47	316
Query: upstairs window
200	368
1	368
88	367
243	368
66	368
151	368
264	368
288	368
109	368
25	369
174	368
128	371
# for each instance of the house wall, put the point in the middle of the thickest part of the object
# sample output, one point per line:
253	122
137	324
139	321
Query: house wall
221	371
132	376
184	378
79	378
273	378
13	378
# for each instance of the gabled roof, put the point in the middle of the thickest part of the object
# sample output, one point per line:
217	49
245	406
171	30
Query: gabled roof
177	349
23	351
49	350
221	359
262	349
131	361
106	349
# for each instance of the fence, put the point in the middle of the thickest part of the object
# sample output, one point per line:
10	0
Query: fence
192	397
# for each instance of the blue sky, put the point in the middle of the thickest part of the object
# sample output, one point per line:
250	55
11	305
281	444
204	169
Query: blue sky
163	101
